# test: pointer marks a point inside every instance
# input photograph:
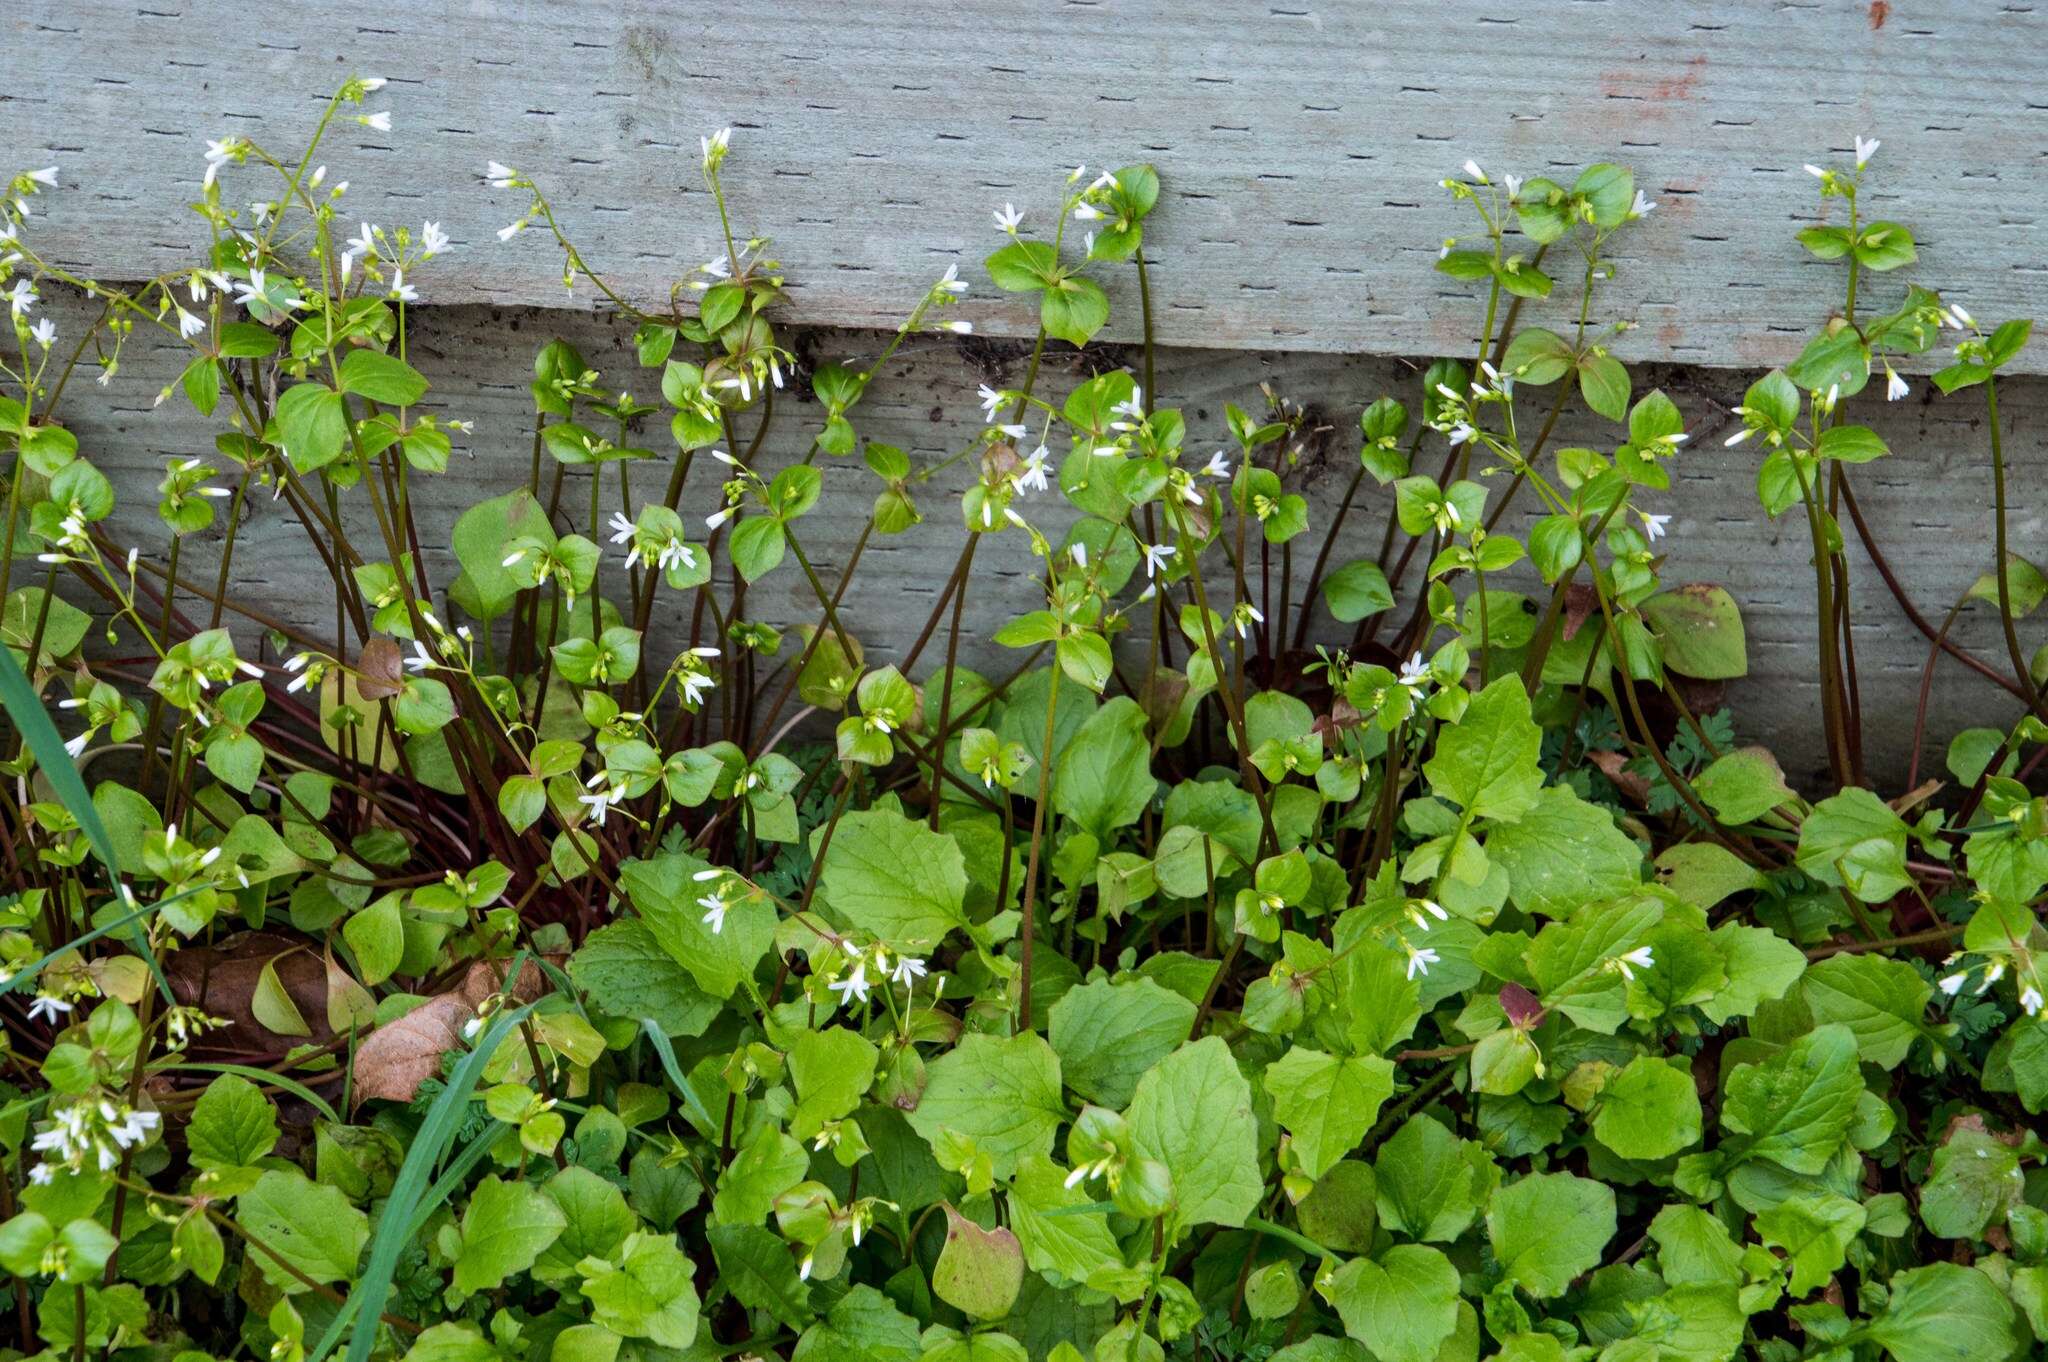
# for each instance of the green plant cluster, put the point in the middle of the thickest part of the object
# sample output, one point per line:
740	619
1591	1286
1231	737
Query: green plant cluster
511	973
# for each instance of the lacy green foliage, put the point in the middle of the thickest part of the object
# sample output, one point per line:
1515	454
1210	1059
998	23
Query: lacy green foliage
1177	991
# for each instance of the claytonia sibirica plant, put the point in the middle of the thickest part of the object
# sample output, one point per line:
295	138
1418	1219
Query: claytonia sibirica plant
1281	954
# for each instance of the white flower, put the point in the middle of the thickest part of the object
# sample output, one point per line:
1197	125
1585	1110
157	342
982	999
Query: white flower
1245	613
1738	437
1415	673
510	230
1816	171
402	291
1459	433
990	399
421	659
500	175
1639	958
907	971
22	297
1473	172
376	122
717	518
716	142
622	529
1419	960
1088	212
1959	319
1514	184
1865	150
600	800
1643	205
951	282
714	913
1156	556
44	331
76	745
958	328
2030	1000
1033	478
1218	467
433	240
47	176
1952	984
1008	219
1894	386
854	985
47	1008
1653	525
372	84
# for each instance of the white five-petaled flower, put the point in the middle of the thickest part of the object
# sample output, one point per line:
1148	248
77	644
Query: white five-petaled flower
1460	432
402	291
421	659
47	177
1653	525
1865	149
1643	205
1628	963
2030	1000
22	297
433	240
1514	184
714	146
1952	984
1218	466
376	122
47	1008
45	332
853	986
602	796
1033	476
714	912
951	282
990	399
1008	219
511	229
1894	386
1420	959
189	325
907	971
1156	556
1246	615
1415	672
622	528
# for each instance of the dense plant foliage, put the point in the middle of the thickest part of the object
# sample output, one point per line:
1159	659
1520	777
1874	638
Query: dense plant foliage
511	973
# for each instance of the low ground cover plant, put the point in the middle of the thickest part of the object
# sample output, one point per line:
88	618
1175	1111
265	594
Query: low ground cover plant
1285	956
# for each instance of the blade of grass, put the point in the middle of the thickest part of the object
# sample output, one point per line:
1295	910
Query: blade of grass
25	707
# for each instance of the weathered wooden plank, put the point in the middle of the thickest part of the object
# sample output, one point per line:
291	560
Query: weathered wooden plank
1300	145
1929	503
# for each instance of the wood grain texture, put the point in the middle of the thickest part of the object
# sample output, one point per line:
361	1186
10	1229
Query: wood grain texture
1300	144
1928	503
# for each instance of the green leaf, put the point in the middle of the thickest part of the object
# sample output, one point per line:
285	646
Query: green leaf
1431	1184
1973	1182
1604	383
979	1272
1549	1228
504	1229
309	1225
894	878
1852	444
1795	1107
1054	1236
376	934
1108	1034
1879	999
1004	1094
1814	1231
1403	1305
1743	785
381	378
1073	310
1487	762
664	891
1193	1112
628	974
1356	590
1564	854
757	546
833	1070
1700	628
757	1268
233	1125
312	424
1853	840
649	1294
1105	779
1649	1110
1946	1313
1327	1102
